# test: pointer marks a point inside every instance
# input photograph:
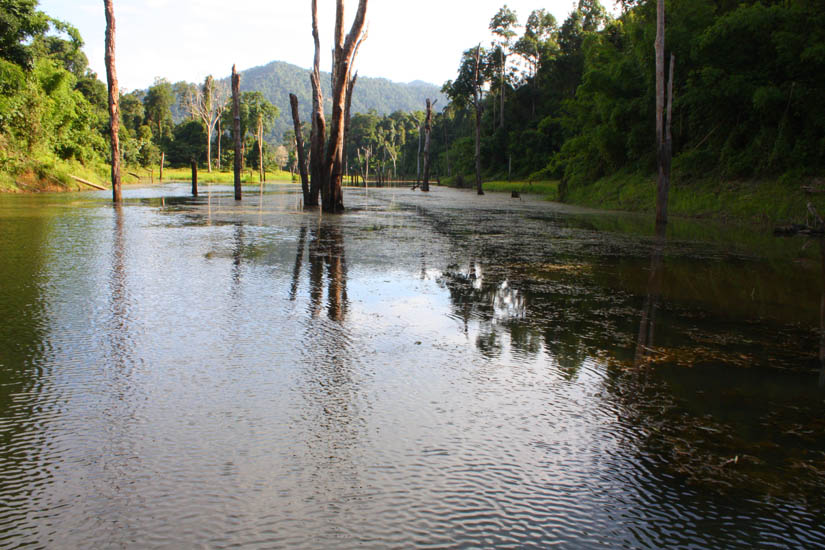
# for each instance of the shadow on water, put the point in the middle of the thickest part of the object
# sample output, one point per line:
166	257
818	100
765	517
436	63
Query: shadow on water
822	319
23	344
647	325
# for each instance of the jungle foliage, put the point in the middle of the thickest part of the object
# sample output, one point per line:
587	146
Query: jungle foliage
579	96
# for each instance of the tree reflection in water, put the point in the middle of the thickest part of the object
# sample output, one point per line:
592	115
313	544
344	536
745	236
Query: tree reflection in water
645	341
326	250
332	386
237	258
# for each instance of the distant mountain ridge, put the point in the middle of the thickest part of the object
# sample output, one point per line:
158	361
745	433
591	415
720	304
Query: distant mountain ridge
278	79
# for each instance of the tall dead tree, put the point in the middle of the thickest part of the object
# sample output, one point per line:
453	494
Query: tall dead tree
348	115
319	125
664	113
329	164
114	101
428	126
477	103
236	114
259	135
299	146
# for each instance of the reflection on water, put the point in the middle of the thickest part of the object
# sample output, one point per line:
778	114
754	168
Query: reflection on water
190	372
647	325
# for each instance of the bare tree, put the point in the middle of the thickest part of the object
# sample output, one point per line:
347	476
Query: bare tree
328	164
319	125
299	146
348	116
236	114
207	104
664	113
477	102
114	98
428	126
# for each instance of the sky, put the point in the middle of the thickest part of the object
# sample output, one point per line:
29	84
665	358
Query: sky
189	39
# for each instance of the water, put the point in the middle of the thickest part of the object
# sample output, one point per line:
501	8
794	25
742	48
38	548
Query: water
433	371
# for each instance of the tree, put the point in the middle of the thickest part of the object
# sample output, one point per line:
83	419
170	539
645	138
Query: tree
319	125
538	41
473	74
158	106
114	96
664	138
236	127
261	116
502	25
330	163
428	126
206	104
594	16
299	147
477	102
19	23
132	112
188	144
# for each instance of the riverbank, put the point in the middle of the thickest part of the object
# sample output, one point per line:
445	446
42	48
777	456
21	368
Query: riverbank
779	201
54	175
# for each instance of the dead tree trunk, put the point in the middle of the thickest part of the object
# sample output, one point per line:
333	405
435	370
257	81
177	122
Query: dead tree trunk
418	158
236	115
343	56
194	178
260	136
162	162
428	126
503	70
348	116
114	101
447	149
299	146
477	102
318	137
220	133
664	140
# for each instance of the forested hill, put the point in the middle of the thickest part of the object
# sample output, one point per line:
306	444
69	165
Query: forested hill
278	79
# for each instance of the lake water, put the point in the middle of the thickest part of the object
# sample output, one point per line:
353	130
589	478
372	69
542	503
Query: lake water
442	370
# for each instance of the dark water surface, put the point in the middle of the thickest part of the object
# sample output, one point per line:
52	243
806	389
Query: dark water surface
430	371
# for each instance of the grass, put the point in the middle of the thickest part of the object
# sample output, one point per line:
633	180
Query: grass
547	189
53	174
777	201
228	177
49	173
763	201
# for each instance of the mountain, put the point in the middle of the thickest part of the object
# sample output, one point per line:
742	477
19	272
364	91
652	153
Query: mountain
278	79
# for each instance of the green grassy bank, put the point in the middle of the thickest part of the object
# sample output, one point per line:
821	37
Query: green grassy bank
547	189
43	174
778	201
55	175
227	177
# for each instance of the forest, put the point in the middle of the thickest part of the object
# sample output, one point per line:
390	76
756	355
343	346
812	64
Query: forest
568	101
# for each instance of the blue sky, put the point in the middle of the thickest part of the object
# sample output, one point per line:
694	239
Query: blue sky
188	39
